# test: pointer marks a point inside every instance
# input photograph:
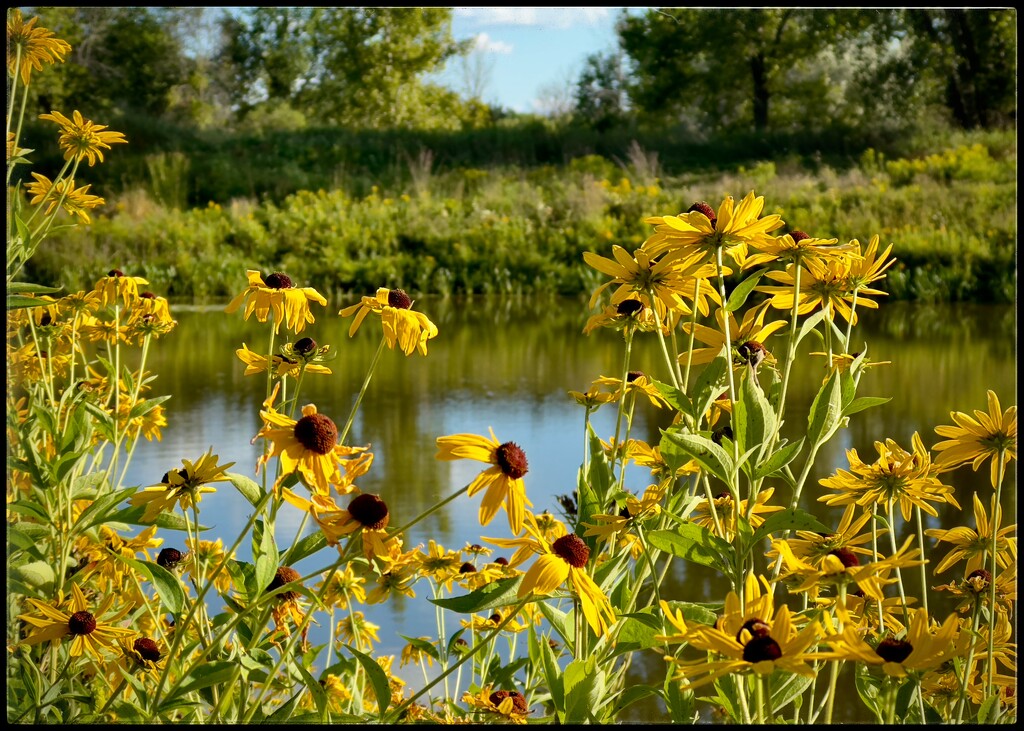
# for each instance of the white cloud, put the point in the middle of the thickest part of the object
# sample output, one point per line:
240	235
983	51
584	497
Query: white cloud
547	17
485	44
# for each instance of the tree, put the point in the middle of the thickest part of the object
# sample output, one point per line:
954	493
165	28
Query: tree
601	93
726	66
972	54
122	60
360	67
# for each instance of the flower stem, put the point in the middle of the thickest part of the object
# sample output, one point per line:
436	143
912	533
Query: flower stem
362	391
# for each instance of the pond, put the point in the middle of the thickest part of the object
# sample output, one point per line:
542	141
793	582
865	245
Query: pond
507	364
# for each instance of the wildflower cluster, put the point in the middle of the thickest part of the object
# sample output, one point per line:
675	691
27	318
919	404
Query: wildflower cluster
113	623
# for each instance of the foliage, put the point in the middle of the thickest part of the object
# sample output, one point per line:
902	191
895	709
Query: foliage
103	629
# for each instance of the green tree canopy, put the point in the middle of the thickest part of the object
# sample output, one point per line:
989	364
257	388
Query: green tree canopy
358	67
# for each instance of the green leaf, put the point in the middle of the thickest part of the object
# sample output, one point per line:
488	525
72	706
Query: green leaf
788	519
247	487
739	295
205	675
559	621
710	383
29	288
552	675
810	324
631	695
584	685
37	574
102	509
785	687
905	696
305	547
315	689
499	594
265	554
168	587
694	612
638	630
708	455
986	708
865	402
694	543
422	645
19	301
378	679
826	411
753	421
676	398
678	702
593	489
132	515
775	462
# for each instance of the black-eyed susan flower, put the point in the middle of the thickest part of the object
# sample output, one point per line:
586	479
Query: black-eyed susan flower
843	568
972	545
814	547
208	555
637	384
117	286
277	296
310	447
75	201
283	364
403	326
29	47
621	526
509	704
142	656
366	513
823	283
727	512
150	315
287	611
920	650
867	265
593	398
184	486
503	480
746	339
990	435
491	622
358	630
414	653
797	246
440	565
398	579
560	562
897	476
701	231
976	589
759	639
342	587
642	274
90	633
82	139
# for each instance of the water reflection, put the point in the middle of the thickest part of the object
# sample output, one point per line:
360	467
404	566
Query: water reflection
507	364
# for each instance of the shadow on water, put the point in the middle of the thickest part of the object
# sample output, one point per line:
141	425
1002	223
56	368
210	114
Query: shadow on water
507	364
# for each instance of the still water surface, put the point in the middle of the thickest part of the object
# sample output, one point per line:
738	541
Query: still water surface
507	364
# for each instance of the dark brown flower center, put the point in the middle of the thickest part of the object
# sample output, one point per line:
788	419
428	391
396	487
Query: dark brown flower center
304	345
115	273
761	648
848	557
892	650
169	557
495	618
278	280
518	701
398	299
467	568
978	580
81	623
633	375
752	352
501	561
147	295
147	648
370	511
316	433
719	434
629	307
798	236
753	628
572	549
512	460
702	207
284	575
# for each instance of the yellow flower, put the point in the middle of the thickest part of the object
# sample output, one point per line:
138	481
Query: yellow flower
81	139
988	435
209	554
183	486
823	283
440	565
973	545
90	633
561	561
897	476
310	446
511	704
355	628
503	479
637	383
640	273
701	231
342	587
703	516
402	325
920	650
29	47
117	286
150	315
276	295
760	639
797	246
365	512
76	201
868	266
747	338
814	547
284	365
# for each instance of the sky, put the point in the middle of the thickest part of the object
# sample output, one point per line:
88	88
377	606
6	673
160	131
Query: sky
530	52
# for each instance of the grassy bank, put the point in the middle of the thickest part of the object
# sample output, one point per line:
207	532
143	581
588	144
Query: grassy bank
950	212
